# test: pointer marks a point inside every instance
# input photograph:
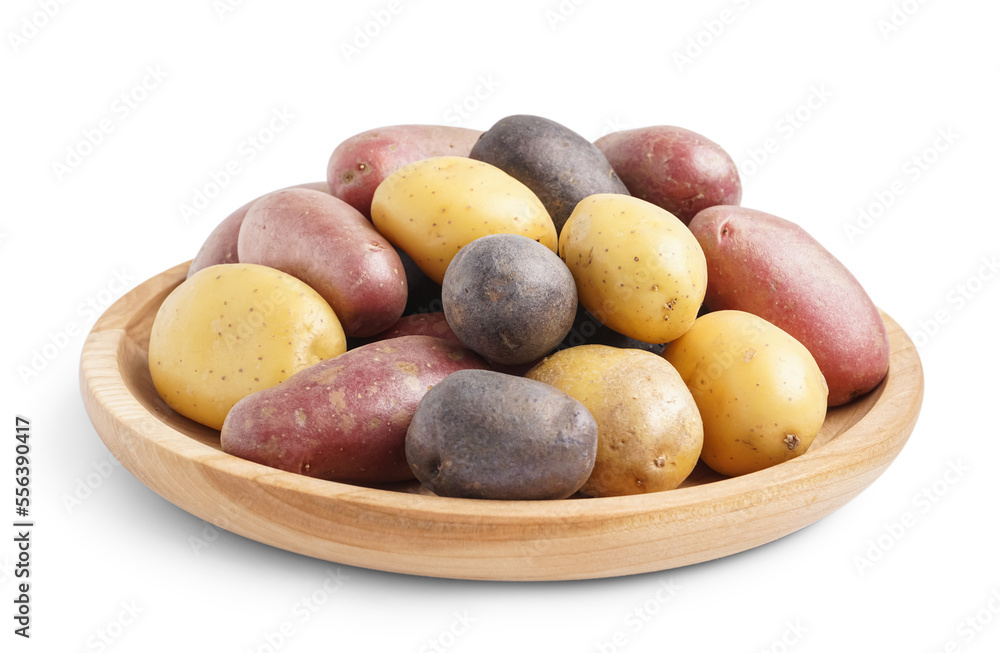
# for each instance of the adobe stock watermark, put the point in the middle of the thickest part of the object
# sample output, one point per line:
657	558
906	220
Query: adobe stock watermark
912	171
223	8
792	635
32	24
88	310
612	124
121	109
970	627
899	15
956	299
464	108
208	535
302	611
559	13
921	503
368	32
247	151
637	618
785	128
708	34
127	614
459	626
85	486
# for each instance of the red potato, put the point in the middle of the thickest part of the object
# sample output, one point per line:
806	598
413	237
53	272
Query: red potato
345	418
326	243
762	264
676	169
359	164
220	246
419	324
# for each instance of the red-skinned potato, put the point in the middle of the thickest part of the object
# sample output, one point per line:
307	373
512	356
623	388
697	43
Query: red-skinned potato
768	266
329	245
419	324
676	169
345	419
221	245
359	164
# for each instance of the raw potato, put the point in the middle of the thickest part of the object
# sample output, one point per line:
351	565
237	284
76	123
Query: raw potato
432	208
557	164
488	435
638	269
649	429
345	419
508	298
359	164
420	324
221	245
674	168
234	329
759	391
329	245
771	267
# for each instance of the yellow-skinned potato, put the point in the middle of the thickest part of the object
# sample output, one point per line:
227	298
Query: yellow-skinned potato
638	269
232	329
649	433
760	392
432	208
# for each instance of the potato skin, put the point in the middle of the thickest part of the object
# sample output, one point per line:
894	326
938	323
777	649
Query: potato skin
637	268
221	245
676	169
233	329
420	324
488	435
649	429
434	207
329	245
760	393
509	298
557	164
771	267
345	419
359	164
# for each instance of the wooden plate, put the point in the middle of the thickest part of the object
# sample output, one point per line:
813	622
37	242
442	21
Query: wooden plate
401	529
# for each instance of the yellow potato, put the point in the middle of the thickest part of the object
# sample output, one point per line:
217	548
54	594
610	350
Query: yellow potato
638	269
432	208
760	392
230	330
649	433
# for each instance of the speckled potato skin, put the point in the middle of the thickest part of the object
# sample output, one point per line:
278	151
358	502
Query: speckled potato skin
433	208
345	419
638	269
221	245
359	164
557	164
489	435
233	329
676	169
509	298
329	245
759	391
649	429
771	267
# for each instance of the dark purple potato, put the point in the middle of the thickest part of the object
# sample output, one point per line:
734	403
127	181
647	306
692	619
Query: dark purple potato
509	298
488	435
557	164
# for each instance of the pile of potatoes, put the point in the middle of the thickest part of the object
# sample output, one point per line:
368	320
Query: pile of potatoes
515	314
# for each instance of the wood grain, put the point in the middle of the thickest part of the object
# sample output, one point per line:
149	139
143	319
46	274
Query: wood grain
405	529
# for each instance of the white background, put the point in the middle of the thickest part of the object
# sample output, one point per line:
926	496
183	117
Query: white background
880	95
